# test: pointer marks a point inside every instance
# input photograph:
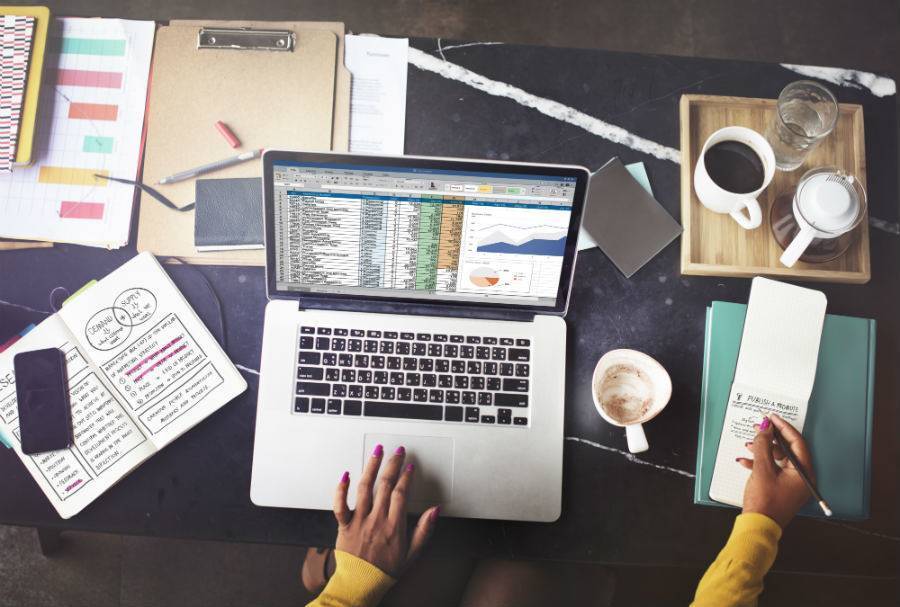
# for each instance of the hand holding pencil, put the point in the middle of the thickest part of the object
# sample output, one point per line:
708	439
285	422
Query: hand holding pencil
779	491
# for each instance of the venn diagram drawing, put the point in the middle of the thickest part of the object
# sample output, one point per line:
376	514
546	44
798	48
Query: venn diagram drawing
112	326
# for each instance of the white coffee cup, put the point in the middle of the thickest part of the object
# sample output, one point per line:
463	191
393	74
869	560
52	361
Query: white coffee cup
629	389
720	200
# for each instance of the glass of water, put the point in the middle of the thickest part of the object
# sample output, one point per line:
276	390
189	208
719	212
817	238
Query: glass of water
806	113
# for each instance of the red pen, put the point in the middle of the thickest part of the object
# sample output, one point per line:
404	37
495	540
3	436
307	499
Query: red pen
228	135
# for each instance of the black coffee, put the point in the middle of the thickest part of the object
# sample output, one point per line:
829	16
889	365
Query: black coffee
735	167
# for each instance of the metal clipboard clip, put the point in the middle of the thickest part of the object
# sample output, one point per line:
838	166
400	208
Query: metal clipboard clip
245	38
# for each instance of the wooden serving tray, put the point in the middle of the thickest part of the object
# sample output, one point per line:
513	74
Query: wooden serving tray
713	244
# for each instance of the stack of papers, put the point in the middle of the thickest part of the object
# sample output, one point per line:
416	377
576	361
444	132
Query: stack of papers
90	125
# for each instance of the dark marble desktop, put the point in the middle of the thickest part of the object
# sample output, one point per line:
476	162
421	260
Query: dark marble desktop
493	102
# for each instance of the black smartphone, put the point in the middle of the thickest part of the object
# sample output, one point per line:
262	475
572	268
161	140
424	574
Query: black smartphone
42	390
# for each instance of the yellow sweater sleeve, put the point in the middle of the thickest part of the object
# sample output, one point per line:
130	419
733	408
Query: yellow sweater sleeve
735	577
355	583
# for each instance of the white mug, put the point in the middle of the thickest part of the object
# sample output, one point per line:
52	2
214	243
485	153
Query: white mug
649	389
720	200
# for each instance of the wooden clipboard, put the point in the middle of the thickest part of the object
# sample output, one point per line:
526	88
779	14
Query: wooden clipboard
15	245
297	99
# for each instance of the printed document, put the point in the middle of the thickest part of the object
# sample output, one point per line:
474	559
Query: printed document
378	93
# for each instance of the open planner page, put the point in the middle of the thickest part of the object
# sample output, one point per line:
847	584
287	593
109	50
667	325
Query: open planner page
107	441
153	349
142	370
775	371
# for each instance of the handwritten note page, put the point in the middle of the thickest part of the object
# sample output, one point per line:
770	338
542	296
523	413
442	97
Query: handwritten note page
90	123
775	372
151	347
142	371
378	93
108	443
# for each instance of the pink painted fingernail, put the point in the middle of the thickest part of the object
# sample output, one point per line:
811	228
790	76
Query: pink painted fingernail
345	478
410	467
401	450
765	424
378	452
435	513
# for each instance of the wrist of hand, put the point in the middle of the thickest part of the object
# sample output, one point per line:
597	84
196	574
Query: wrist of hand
780	518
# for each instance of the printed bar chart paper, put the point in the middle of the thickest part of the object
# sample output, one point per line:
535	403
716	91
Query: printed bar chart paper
89	124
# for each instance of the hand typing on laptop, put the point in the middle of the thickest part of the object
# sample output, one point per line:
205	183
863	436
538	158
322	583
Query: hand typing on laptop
376	530
372	548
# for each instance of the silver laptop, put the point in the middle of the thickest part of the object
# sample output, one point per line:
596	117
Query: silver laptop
416	302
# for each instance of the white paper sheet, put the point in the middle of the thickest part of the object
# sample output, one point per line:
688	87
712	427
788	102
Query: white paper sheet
378	93
90	122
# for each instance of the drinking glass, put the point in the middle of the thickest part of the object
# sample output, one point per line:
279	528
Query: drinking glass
805	114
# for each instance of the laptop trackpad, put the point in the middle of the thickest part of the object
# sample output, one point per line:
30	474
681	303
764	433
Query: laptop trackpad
433	458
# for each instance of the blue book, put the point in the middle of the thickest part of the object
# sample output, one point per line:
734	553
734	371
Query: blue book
838	425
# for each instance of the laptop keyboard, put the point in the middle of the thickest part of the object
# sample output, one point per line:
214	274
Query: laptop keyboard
438	377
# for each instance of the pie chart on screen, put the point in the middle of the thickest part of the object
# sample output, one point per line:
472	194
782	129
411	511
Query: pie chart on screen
484	277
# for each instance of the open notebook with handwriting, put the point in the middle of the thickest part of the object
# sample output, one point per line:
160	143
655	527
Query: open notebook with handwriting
142	370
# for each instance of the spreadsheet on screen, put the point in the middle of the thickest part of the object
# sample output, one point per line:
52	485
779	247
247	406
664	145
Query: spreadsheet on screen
420	233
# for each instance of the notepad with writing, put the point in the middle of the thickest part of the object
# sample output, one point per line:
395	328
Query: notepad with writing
775	372
142	370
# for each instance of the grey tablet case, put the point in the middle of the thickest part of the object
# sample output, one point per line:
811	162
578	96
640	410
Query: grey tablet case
229	214
629	225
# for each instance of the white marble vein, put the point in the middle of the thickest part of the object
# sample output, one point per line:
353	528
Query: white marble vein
862	531
466	45
880	86
631	457
548	107
884	226
21	307
247	369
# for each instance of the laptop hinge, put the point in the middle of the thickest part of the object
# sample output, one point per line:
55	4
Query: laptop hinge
388	307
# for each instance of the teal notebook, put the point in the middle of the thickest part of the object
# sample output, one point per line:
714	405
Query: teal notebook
838	424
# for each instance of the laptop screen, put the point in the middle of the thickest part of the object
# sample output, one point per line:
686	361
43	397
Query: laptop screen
420	233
